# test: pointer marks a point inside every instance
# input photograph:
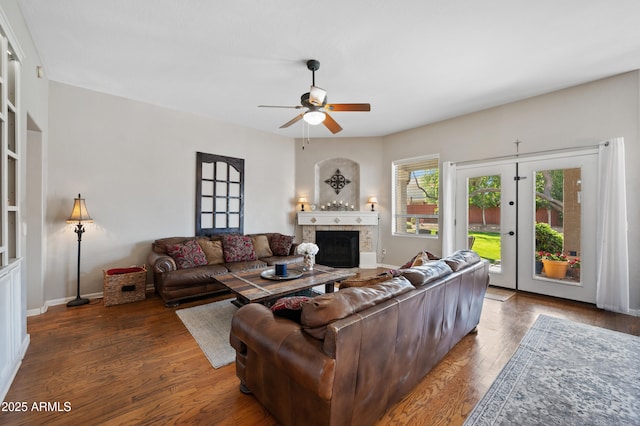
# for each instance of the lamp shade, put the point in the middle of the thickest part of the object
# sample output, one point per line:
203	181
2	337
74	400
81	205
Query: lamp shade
302	200
79	212
372	200
314	117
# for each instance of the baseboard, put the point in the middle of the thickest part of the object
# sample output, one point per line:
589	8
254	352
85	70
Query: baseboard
64	300
61	301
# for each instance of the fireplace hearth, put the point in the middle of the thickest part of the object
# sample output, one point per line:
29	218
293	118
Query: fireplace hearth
339	249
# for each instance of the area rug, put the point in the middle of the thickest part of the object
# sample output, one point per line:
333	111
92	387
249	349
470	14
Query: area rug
500	294
210	325
566	373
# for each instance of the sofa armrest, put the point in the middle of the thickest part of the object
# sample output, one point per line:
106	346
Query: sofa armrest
282	343
294	246
160	262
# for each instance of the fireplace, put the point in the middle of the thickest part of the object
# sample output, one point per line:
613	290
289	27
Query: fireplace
339	249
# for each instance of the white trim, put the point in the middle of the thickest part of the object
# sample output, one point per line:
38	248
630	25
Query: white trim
60	301
13	40
4	387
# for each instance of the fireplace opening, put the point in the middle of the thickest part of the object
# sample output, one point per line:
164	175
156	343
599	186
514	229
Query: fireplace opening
339	249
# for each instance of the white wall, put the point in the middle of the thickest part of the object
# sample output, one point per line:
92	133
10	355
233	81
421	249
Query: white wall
134	163
576	117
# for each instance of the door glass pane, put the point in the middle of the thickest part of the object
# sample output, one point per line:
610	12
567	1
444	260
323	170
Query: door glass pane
558	224
484	218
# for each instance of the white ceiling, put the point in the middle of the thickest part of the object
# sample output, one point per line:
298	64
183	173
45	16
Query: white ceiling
415	61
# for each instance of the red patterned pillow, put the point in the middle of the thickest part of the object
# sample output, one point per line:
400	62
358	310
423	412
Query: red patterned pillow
238	248
281	244
187	254
289	307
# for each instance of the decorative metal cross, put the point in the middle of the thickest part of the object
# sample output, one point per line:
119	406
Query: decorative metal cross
337	181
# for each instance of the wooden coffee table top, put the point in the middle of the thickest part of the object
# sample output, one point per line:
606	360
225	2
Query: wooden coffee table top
251	287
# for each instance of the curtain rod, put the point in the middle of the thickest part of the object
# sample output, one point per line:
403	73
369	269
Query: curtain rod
529	154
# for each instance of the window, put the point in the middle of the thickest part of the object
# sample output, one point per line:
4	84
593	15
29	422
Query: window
219	194
416	196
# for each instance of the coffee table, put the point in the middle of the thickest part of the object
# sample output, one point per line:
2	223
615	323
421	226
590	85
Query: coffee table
251	287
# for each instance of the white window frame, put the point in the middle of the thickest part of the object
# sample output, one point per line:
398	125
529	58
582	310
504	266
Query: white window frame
399	202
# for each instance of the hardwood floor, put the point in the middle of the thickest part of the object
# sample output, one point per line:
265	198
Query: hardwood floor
137	364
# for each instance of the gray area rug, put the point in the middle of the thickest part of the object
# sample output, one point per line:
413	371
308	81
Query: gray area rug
210	326
566	373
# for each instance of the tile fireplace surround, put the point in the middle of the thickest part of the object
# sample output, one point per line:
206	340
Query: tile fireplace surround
366	223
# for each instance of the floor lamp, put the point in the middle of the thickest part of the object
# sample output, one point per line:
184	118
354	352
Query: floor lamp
79	216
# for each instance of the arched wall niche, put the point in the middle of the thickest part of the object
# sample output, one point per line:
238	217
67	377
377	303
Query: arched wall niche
337	179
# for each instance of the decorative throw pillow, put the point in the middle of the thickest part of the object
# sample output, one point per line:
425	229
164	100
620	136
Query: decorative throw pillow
261	246
212	250
289	307
461	259
422	255
366	281
237	248
281	244
424	274
187	254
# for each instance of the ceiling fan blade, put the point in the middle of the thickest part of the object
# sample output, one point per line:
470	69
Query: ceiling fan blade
292	121
331	124
280	106
348	107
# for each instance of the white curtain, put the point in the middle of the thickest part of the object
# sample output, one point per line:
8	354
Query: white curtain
612	249
448	207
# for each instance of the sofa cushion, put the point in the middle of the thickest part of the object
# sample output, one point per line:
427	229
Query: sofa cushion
244	265
281	244
261	246
365	281
281	259
238	248
327	308
212	250
187	254
461	259
424	274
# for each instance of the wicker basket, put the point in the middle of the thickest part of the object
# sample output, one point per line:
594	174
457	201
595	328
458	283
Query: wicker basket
124	285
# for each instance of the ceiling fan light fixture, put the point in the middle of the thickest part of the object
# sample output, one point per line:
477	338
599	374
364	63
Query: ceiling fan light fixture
314	117
317	96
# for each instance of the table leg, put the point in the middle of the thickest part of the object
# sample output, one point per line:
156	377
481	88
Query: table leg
329	287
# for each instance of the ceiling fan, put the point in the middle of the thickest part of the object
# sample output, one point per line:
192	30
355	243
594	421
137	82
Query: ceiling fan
315	100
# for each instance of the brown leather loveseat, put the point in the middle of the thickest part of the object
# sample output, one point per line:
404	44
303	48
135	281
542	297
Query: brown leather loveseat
186	267
359	350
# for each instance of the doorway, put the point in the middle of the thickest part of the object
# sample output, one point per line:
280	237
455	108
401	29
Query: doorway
516	212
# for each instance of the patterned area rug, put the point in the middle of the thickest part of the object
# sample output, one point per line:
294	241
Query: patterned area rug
566	373
210	326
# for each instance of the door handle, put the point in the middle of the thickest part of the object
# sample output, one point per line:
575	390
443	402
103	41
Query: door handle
509	233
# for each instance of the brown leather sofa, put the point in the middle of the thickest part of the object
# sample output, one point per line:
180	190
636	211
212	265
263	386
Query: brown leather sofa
377	344
175	285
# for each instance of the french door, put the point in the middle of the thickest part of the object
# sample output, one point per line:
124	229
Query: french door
486	217
510	211
560	192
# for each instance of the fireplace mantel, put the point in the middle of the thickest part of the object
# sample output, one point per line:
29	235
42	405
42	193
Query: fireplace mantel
328	218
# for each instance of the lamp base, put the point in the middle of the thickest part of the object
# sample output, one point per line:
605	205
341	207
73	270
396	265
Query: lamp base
78	301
